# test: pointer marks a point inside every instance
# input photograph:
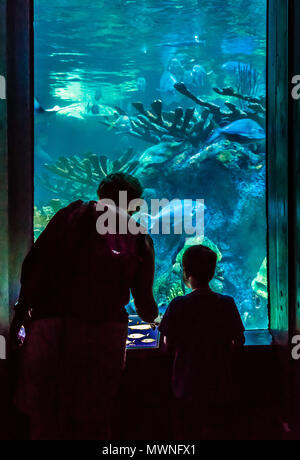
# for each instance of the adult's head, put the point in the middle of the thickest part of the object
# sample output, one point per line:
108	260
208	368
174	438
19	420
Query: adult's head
199	265
113	184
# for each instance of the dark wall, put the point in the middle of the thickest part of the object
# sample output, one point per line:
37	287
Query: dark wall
20	97
278	132
16	178
143	409
3	219
283	190
3	179
295	206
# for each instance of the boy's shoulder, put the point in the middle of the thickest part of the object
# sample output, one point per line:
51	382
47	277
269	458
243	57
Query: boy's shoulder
224	298
192	297
213	294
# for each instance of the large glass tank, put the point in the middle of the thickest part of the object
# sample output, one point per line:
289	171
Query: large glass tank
101	70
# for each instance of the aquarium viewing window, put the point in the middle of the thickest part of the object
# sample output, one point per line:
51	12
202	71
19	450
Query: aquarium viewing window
173	92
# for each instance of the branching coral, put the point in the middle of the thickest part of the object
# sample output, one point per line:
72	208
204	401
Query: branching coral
79	177
188	126
155	125
254	110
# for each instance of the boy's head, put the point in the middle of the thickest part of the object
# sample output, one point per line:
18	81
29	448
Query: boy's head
199	265
112	184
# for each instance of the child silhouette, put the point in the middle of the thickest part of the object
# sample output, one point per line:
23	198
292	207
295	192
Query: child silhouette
201	328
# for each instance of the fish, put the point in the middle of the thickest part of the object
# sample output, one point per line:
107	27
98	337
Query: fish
76	110
185	43
148	340
238	45
95	109
178	217
244	131
136	336
39	109
140	327
122	124
198	71
197	77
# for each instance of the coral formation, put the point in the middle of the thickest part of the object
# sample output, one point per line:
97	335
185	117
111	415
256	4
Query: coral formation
192	242
230	155
43	215
260	282
80	176
156	125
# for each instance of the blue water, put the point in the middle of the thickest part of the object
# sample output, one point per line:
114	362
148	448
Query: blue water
93	60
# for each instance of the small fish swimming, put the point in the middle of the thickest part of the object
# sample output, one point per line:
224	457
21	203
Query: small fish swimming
148	340
39	109
76	110
184	43
197	77
95	109
122	124
244	131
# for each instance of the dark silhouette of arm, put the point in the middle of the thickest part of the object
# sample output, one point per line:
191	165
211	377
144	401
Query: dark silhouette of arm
142	288
237	328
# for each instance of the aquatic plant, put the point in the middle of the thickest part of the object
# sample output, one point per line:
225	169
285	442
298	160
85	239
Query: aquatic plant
80	176
43	215
247	80
194	240
260	282
167	286
217	282
158	160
